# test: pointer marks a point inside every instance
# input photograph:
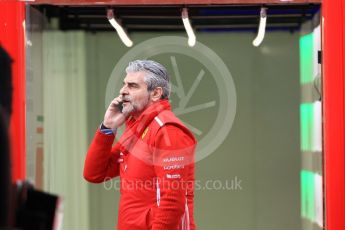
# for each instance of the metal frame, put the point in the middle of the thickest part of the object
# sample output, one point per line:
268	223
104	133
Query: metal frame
168	2
12	37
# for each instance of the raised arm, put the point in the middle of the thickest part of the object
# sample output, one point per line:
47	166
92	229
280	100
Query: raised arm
101	161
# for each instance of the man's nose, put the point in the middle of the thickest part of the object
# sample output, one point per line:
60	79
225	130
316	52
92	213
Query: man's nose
123	90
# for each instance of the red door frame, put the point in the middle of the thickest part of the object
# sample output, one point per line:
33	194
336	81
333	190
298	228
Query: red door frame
333	11
334	112
12	30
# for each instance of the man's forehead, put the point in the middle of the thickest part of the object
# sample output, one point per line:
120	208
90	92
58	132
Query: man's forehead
135	77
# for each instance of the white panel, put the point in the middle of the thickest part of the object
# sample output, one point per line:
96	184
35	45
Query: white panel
317	127
318	200
316	47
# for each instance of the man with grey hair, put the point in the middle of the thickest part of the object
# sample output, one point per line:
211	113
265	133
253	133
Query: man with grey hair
154	157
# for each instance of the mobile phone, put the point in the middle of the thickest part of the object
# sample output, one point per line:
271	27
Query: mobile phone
120	106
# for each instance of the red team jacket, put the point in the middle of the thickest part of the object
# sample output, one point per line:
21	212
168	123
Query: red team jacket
156	173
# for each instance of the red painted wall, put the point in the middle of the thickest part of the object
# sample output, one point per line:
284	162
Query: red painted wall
334	112
12	40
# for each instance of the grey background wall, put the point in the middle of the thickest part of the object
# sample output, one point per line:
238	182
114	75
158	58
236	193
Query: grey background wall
262	148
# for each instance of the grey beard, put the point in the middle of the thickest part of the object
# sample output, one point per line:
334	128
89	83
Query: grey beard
128	109
135	108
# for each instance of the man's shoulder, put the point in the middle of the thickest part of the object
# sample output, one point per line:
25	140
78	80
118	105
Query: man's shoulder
167	120
167	117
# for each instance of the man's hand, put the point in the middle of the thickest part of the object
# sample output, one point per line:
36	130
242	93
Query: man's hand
114	117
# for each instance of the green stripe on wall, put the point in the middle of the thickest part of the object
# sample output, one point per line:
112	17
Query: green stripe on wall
306	58
307	122
307	195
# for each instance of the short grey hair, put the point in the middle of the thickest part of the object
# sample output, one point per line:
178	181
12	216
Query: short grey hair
157	75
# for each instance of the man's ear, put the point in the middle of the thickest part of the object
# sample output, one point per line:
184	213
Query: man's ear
156	94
